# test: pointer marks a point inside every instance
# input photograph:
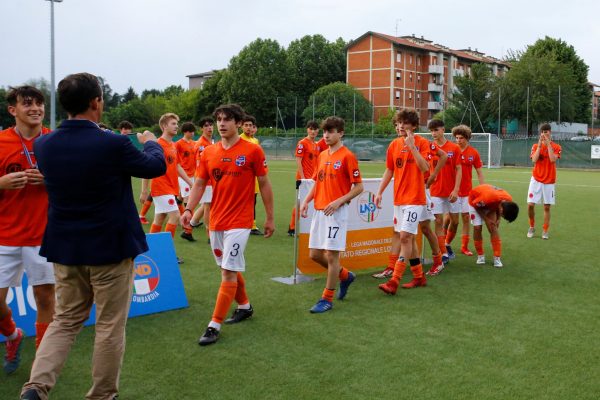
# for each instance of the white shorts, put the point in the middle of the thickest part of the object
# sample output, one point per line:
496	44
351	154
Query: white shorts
427	214
184	188
407	218
228	248
476	219
329	232
540	191
463	204
14	260
207	195
442	205
165	204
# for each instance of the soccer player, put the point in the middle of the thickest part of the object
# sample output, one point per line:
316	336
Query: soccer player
23	215
307	152
125	127
205	140
470	159
487	204
337	181
233	165
544	154
249	129
165	189
406	162
187	159
444	189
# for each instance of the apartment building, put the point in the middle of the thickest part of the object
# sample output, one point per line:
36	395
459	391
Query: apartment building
408	71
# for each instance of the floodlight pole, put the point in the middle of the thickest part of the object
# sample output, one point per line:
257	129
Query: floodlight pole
527	123
52	78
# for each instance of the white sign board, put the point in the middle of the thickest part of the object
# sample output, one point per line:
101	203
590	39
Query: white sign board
595	151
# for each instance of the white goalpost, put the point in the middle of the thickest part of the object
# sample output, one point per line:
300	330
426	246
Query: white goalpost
488	145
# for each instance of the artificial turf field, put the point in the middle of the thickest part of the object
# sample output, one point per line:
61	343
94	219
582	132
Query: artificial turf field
527	331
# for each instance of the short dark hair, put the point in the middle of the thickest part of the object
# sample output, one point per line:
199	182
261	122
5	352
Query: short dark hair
331	123
407	115
462	130
312	124
188	127
249	118
230	111
24	92
510	210
125	125
204	120
435	123
545	127
77	90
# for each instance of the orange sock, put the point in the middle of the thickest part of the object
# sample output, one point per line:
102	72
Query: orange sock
531	222
545	227
155	228
465	241
224	299
478	247
497	247
187	230
399	271
437	258
240	294
417	271
171	228
450	236
7	324
392	258
293	220
343	274
145	208
328	294
442	243
40	330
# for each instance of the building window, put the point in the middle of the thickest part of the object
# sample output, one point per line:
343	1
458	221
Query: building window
410	95
398	75
397	94
418	96
410	59
398	57
410	77
418	60
419	78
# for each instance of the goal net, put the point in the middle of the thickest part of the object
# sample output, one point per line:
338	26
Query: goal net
488	145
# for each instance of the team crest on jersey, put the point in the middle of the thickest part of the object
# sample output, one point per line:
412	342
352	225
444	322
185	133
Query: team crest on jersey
471	158
170	159
337	164
186	153
450	154
300	146
146	280
201	148
399	162
432	146
321	175
15	167
217	174
240	161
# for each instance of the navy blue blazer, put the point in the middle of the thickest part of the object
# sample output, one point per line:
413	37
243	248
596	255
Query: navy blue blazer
92	217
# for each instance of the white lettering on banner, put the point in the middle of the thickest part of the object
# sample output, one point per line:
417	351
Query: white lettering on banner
17	293
371	242
145	298
366	252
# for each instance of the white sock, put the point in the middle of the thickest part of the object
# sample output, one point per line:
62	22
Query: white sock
14	335
216	325
244	306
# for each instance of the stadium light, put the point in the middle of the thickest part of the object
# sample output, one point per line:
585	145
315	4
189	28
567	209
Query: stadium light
52	80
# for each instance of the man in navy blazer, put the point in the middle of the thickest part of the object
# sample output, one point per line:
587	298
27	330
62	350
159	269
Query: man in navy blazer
93	234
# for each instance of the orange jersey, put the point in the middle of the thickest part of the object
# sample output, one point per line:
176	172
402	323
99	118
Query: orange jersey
308	151
233	172
544	170
322	145
409	184
186	155
488	197
446	179
334	176
470	159
23	212
199	147
168	183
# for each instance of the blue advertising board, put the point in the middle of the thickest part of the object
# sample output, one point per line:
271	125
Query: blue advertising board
157	286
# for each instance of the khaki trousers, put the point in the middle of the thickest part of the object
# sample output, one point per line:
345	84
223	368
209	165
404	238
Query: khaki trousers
77	288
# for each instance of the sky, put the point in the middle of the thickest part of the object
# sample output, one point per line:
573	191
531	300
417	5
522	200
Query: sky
151	44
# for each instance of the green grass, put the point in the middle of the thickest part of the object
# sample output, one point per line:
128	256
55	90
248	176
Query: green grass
528	331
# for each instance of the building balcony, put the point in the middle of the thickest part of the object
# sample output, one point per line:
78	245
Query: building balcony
435	105
434	87
458	72
436	69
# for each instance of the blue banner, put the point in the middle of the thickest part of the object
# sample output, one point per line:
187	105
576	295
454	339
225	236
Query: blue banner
157	286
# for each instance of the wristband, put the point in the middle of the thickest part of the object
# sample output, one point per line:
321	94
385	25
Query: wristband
187	209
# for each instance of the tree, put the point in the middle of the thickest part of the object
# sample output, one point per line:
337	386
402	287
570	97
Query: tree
255	77
184	104
565	54
210	96
6	119
314	62
110	100
338	99
129	95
